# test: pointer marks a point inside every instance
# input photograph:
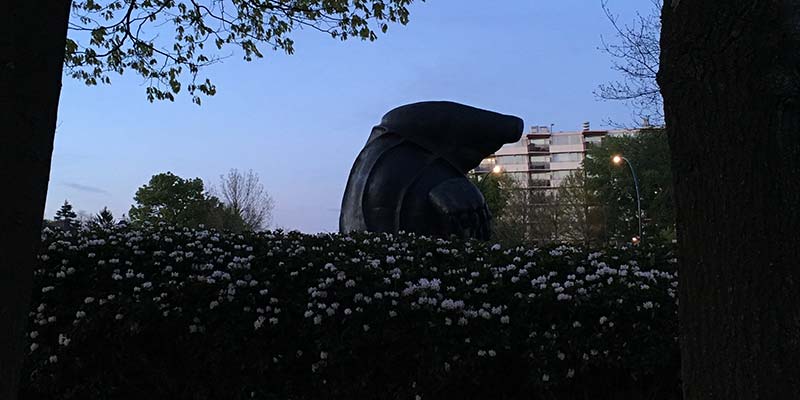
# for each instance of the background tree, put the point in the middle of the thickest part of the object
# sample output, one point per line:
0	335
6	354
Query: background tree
635	55
245	196
166	42
512	226
495	189
529	217
84	218
221	217
104	219
177	201
581	213
66	218
525	216
729	75
520	216
613	184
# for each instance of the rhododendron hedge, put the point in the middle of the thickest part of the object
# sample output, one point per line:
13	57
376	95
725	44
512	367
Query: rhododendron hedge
166	313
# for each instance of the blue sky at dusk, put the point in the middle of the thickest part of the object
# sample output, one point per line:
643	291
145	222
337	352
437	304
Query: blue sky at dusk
299	121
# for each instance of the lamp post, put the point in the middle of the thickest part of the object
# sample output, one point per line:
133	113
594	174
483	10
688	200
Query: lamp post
618	159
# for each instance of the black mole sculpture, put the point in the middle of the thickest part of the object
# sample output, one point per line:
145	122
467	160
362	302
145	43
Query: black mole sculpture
411	174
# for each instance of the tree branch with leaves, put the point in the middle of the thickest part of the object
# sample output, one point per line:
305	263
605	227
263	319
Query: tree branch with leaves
168	42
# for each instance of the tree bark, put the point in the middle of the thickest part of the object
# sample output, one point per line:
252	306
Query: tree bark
730	76
32	40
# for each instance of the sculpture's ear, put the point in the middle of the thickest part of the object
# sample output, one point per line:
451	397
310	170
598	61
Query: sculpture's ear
377	131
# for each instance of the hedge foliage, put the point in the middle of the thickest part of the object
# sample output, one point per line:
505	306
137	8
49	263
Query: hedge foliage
166	313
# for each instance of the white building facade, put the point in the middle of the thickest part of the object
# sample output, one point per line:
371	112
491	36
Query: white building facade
542	159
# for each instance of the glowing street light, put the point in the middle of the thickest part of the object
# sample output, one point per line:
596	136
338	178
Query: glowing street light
497	169
618	159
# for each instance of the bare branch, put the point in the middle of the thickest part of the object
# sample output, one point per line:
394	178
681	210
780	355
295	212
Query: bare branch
635	55
244	194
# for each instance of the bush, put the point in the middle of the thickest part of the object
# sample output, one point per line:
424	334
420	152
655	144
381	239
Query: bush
165	313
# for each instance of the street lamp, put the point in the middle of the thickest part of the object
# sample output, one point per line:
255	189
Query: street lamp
618	159
497	169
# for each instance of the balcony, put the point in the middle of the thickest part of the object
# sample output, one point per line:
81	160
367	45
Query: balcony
483	168
539	183
539	166
538	148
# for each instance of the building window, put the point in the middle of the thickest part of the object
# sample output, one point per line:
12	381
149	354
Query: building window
594	139
567	139
538	159
539	183
563	157
540	176
559	175
518	177
510	160
540	165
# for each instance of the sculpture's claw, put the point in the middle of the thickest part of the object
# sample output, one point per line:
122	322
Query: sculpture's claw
463	209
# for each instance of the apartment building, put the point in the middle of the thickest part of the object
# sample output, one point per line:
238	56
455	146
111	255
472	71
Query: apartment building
542	159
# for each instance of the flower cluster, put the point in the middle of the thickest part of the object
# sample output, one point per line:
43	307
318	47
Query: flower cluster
166	312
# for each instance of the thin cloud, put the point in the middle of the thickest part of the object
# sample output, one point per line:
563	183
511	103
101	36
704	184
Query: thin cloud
86	188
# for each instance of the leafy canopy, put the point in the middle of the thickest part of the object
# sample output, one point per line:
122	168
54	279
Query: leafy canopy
168	42
613	185
177	201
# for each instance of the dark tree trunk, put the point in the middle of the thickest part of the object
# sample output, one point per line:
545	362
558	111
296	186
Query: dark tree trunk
32	39
730	76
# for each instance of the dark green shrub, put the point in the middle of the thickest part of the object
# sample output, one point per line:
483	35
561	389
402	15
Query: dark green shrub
164	313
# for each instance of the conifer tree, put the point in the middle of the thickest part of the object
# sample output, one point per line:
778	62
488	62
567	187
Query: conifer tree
104	219
65	217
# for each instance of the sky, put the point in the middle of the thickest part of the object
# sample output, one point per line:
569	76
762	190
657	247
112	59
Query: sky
299	120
